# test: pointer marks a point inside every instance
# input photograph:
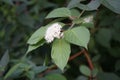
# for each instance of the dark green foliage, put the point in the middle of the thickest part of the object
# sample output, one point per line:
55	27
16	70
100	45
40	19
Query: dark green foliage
19	19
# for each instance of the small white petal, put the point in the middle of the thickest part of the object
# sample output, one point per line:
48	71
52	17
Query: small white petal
54	31
88	19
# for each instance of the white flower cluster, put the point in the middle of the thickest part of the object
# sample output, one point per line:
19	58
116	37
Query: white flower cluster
88	19
54	31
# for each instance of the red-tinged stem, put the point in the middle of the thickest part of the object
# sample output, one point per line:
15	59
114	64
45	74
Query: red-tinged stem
76	55
89	60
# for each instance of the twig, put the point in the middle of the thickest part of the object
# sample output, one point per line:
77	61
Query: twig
72	25
88	60
76	55
81	13
77	17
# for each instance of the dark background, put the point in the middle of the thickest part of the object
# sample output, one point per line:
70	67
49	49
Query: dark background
20	18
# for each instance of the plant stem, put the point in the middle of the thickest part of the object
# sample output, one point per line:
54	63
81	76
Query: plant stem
76	55
24	56
77	17
89	60
81	13
72	25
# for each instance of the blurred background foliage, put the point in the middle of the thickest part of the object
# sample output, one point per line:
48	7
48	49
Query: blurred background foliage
20	18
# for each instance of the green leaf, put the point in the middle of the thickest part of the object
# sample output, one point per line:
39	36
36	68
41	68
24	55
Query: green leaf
94	72
4	60
88	25
77	21
16	73
30	75
75	13
22	67
107	76
73	3
112	5
39	69
93	5
60	52
32	47
55	77
85	70
14	68
59	12
79	36
37	36
35	46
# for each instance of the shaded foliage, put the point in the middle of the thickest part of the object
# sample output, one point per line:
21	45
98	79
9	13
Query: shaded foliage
20	18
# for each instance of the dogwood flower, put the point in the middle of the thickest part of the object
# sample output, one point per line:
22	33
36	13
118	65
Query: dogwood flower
54	31
88	19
